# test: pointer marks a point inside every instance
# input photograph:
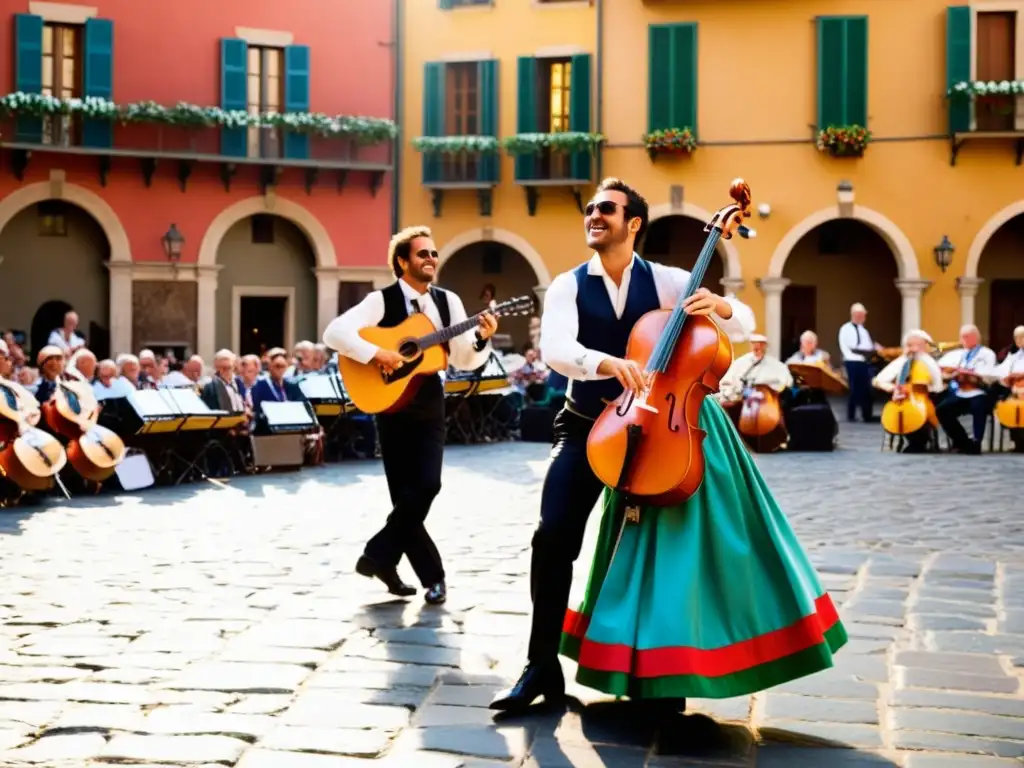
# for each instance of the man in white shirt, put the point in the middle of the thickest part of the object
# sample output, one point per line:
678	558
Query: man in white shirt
411	439
968	370
809	351
65	338
856	345
915	346
1009	376
589	313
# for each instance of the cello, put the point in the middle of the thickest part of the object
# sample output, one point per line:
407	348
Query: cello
760	421
684	359
1010	412
910	408
29	458
73	412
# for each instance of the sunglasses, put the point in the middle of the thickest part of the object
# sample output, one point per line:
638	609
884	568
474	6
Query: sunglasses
425	254
606	207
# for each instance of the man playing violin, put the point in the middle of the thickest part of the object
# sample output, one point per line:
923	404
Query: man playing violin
968	370
589	313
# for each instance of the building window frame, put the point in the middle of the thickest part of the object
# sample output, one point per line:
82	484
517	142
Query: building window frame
62	130
264	141
1000	6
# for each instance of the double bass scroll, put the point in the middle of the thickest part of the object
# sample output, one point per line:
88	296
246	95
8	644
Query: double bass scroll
684	359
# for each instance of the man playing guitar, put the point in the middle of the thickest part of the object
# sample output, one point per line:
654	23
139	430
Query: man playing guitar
411	439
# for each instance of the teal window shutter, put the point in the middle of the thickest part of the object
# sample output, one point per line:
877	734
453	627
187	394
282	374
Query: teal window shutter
672	77
444	5
958	64
579	113
98	78
233	92
296	97
526	113
28	71
487	82
433	118
842	71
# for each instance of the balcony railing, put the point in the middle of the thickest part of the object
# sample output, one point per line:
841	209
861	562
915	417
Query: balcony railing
986	110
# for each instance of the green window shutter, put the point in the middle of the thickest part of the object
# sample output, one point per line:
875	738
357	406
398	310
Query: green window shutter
98	78
28	71
579	112
958	63
234	55
296	96
433	117
526	113
487	79
672	77
842	71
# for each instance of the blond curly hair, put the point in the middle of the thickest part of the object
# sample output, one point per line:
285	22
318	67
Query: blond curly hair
400	243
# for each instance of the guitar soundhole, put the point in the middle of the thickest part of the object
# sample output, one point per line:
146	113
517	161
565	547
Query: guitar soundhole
409	349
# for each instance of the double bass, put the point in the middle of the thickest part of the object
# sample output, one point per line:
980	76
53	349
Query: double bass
29	458
649	446
760	420
910	408
73	412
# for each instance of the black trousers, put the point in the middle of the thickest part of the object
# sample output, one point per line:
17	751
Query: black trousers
412	449
858	374
953	407
570	492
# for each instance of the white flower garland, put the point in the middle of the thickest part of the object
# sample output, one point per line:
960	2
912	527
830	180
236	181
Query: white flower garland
976	88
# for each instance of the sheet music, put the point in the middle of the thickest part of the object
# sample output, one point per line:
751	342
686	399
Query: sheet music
286	413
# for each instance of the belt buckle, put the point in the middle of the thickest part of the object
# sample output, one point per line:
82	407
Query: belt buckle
633	514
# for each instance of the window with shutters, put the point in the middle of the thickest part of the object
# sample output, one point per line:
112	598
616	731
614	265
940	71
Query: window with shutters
461	116
554	89
264	93
995	46
842	71
62	77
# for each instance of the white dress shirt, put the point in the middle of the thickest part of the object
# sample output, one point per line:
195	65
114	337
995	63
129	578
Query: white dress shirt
57	340
175	380
887	377
982	363
1011	364
560	322
817	356
343	332
853	337
119	387
747	371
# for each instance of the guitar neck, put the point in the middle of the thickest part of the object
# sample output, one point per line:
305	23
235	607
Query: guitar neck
449	333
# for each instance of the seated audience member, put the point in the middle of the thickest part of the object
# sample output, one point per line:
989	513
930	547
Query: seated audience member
531	379
251	370
150	374
51	368
83	362
276	387
108	384
221	393
130	369
65	338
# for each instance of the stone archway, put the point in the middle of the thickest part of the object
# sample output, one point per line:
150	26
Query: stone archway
732	279
120	258
995	250
326	270
492	264
908	276
488	234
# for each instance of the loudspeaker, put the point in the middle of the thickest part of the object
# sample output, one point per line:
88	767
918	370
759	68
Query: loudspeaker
278	450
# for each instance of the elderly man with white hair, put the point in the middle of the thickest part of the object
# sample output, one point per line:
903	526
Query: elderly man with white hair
108	385
915	346
857	347
1010	382
222	392
969	370
129	368
83	362
149	376
809	351
66	338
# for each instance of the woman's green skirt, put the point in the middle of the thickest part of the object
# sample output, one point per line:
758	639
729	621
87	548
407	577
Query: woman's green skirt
712	598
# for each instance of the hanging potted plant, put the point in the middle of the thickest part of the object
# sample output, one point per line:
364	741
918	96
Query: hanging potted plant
844	140
670	141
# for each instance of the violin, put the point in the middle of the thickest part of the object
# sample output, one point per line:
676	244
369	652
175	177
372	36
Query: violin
910	408
30	458
74	411
760	420
1010	412
649	446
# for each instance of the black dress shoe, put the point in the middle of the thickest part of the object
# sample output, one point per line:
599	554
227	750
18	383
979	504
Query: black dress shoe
437	594
370	568
536	681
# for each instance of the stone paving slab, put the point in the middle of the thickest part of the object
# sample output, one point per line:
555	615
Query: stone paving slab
201	626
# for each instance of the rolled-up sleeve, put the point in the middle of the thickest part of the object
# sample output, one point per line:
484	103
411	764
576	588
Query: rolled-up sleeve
343	332
559	327
464	354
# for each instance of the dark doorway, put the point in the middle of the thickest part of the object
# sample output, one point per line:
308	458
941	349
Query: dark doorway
1006	311
351	293
799	314
49	317
262	323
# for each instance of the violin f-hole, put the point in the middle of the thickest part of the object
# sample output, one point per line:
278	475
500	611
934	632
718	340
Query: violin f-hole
670	398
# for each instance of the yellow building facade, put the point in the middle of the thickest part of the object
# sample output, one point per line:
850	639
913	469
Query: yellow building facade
755	82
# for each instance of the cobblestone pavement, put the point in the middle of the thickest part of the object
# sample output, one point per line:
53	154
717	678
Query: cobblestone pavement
224	626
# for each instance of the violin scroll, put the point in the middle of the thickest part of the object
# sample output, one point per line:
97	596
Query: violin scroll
729	219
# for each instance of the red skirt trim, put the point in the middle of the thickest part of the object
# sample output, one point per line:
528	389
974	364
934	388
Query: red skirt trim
712	662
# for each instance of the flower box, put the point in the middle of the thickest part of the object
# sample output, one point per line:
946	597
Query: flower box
844	141
671	142
456	145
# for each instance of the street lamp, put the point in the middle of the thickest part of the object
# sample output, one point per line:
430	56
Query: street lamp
173	242
944	253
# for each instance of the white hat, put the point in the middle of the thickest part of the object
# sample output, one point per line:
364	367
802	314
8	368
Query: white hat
755	337
3	349
858	307
918	334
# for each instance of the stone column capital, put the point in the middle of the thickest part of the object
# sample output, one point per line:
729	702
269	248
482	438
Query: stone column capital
911	287
733	284
773	285
968	286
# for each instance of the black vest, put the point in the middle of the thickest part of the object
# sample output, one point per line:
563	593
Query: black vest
601	330
395	310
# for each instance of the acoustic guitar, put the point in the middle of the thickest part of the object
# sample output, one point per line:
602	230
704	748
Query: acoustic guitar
32	458
93	451
420	345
